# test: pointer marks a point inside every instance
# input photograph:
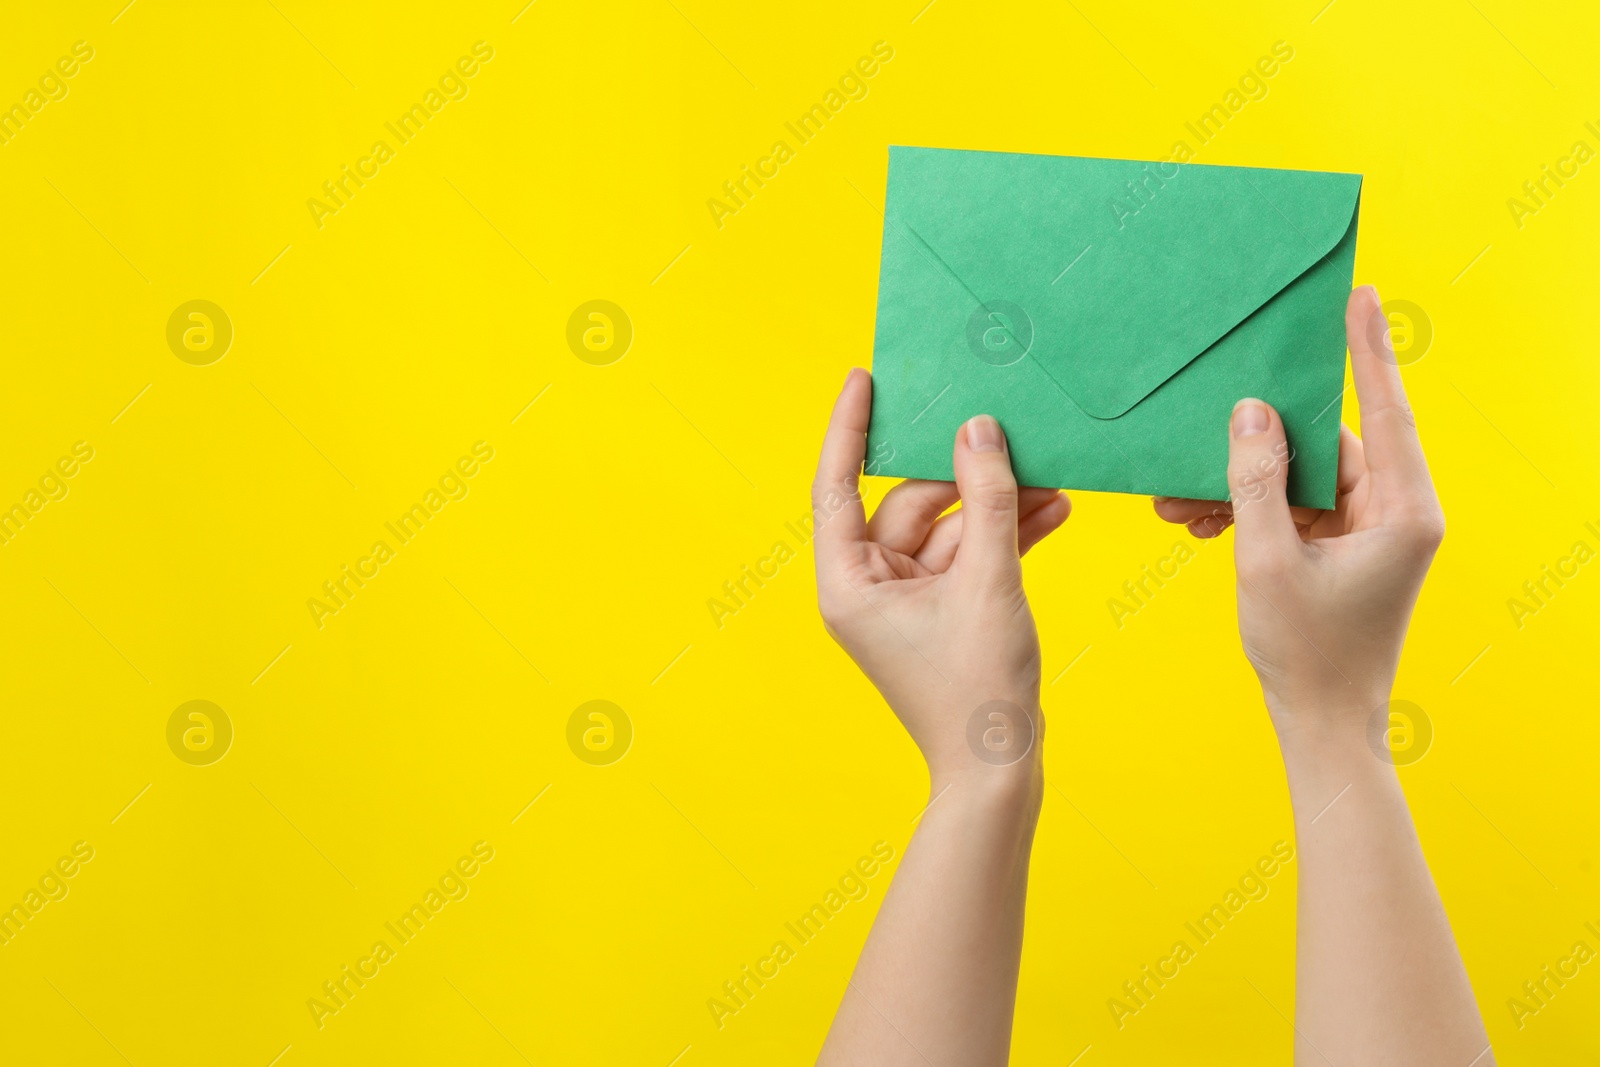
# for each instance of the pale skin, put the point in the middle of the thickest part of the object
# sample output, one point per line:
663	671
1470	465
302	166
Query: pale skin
933	611
1324	602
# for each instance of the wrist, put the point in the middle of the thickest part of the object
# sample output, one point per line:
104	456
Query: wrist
1331	721
1332	745
997	768
1324	732
995	794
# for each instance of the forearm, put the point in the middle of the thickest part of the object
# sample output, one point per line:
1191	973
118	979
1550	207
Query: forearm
1379	977
936	983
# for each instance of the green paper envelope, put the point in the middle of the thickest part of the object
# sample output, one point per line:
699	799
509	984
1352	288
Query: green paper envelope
1110	313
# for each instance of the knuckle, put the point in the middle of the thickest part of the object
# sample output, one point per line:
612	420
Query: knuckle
1248	488
819	489
1261	564
1424	530
1397	411
994	498
829	497
1242	469
1254	475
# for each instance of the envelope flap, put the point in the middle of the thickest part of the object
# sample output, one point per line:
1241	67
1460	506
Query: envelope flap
1122	271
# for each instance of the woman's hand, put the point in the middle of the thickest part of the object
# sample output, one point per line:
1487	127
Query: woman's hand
1325	596
1324	602
931	608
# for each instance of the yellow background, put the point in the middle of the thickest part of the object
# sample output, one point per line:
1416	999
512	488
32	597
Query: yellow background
425	715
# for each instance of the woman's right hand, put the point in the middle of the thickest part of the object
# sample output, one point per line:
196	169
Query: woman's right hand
1325	597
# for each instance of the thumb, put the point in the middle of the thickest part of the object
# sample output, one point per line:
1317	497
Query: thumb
1258	476
988	500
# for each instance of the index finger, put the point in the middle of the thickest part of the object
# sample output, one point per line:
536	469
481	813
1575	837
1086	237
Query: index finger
1388	430
836	506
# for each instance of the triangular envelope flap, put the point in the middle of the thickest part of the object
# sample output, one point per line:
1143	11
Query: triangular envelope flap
1126	270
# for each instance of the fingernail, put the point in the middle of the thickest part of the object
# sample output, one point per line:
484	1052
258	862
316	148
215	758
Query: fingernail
983	435
1250	418
1375	297
1161	499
